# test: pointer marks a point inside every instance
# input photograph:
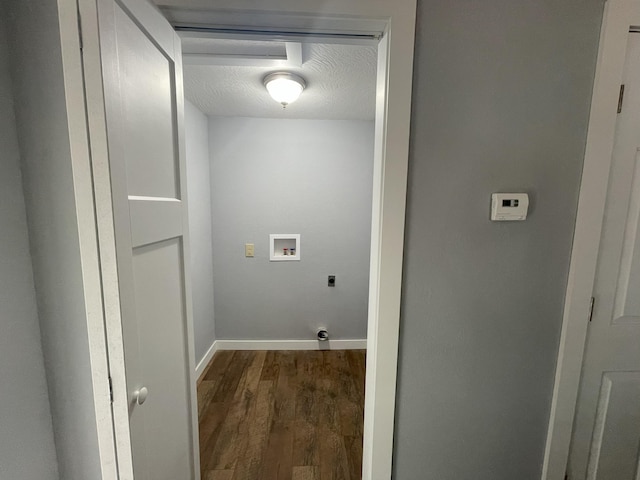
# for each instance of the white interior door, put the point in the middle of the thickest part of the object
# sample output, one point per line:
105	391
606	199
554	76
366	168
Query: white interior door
142	77
606	436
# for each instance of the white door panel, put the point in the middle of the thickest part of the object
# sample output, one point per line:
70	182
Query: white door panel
148	115
154	218
614	445
606	436
627	300
157	272
141	62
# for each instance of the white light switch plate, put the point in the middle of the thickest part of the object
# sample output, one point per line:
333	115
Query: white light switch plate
507	207
249	250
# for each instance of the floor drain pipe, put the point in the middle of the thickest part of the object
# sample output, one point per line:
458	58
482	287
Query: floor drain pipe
323	335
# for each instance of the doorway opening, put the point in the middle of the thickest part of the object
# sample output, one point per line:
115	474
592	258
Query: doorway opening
280	204
123	43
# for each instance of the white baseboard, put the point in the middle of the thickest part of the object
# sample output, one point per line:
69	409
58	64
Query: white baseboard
202	364
357	344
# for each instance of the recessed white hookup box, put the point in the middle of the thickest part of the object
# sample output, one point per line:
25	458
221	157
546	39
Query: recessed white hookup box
284	247
507	207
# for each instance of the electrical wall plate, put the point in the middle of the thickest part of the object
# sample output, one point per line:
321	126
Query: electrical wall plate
508	207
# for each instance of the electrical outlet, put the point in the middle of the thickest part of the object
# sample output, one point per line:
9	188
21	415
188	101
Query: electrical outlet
332	281
249	250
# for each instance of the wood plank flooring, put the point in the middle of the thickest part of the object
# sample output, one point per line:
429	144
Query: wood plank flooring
282	415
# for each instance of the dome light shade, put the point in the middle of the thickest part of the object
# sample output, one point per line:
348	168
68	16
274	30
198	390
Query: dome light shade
284	88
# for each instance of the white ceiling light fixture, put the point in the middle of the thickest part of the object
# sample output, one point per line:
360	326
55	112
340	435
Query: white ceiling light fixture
284	87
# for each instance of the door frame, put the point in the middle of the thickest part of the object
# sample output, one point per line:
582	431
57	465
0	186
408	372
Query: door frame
392	127
619	17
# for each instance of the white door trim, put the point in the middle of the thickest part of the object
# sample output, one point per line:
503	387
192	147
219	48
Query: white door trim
619	16
86	220
105	228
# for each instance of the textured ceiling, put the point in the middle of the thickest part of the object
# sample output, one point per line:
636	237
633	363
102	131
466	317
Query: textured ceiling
340	79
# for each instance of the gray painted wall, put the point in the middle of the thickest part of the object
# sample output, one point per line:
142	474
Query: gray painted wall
199	203
501	100
33	33
312	177
26	435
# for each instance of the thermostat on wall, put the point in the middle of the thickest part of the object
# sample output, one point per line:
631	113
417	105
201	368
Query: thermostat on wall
509	206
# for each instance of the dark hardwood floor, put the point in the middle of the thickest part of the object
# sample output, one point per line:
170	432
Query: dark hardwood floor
294	415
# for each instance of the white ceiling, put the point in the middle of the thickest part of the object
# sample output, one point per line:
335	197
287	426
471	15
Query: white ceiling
340	79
